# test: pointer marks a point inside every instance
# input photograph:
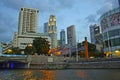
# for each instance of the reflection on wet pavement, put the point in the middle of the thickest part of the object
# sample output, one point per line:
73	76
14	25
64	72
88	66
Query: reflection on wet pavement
48	75
82	74
69	74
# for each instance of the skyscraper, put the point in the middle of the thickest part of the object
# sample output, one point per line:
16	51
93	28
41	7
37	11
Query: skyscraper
52	31
62	37
94	32
28	21
71	35
46	28
96	36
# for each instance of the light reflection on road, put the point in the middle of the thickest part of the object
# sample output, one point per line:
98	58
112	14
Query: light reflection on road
68	74
82	74
48	75
28	75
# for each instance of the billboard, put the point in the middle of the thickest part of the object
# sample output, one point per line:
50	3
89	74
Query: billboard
114	19
97	30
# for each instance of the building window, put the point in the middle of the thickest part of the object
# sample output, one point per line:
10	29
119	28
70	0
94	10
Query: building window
112	42
111	33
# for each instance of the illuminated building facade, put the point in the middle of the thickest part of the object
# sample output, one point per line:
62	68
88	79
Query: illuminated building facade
110	26
52	31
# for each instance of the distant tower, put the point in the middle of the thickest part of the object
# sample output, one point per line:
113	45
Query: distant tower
46	28
52	31
28	21
62	37
71	35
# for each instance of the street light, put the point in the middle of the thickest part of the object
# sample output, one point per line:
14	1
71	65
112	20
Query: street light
30	45
9	51
30	48
76	53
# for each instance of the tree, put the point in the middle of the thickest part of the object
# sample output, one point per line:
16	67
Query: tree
91	47
16	50
30	50
42	46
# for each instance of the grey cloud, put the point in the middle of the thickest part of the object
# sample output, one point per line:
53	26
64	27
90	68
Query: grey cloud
114	3
57	5
7	20
110	4
91	18
43	6
39	4
104	9
14	4
7	27
6	37
4	23
67	3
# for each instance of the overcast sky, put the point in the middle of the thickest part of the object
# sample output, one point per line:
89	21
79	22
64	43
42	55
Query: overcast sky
80	13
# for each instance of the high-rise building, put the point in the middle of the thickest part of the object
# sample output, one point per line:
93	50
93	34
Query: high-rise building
28	21
46	28
110	27
27	31
62	37
96	36
52	31
94	32
71	35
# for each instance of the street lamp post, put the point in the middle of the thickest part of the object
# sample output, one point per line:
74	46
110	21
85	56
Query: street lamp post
31	48
76	53
109	46
77	49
